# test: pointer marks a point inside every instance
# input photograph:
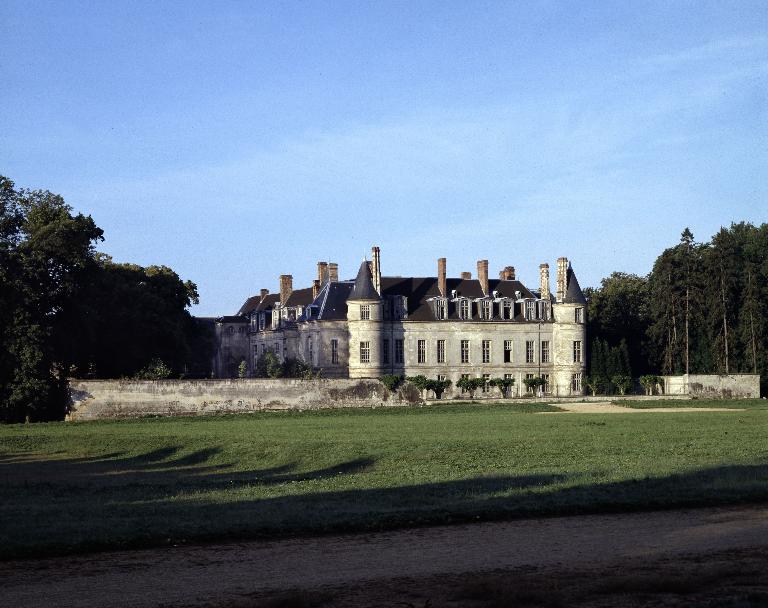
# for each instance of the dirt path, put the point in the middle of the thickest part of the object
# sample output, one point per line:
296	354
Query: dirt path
606	407
352	565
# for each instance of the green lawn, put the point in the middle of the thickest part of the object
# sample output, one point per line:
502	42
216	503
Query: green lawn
67	487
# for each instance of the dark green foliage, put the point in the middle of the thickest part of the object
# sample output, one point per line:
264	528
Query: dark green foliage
503	384
268	365
67	311
391	381
438	387
470	385
156	370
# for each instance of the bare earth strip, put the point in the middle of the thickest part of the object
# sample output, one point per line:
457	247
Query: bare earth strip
606	407
384	568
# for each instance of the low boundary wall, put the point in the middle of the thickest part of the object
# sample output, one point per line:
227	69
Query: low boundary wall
100	399
736	386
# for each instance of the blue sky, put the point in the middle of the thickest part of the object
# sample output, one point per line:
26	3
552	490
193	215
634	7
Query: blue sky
236	141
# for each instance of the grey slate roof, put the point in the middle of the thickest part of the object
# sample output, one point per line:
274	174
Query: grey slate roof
363	289
573	293
249	305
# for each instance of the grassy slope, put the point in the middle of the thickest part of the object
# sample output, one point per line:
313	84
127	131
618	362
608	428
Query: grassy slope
77	486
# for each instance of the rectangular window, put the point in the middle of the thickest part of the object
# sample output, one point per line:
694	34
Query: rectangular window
441	309
365	312
545	351
486	380
464	376
545	377
508	351
335	352
529	351
399	358
530	309
385	351
365	352
487	310
529	389
277	348
576	383
441	351
579	315
464	309
440	378
465	351
309	351
262	317
421	351
577	351
506	309
486	351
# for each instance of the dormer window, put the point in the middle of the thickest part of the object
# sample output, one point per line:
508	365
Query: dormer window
465	312
507	310
262	321
530	309
441	309
486	310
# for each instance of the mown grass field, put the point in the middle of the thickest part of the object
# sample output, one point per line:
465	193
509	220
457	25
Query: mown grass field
68	487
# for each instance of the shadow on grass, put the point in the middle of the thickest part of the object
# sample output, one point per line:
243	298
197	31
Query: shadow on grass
158	498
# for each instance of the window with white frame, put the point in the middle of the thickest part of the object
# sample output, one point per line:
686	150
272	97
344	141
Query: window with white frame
486	382
530	352
465	351
441	351
486	351
464	309
365	312
365	352
579	315
529	388
441	309
545	351
486	308
546	387
421	351
508	356
576	383
577	351
507	309
530	309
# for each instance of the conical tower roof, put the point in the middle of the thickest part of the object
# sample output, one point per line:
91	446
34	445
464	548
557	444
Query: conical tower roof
364	289
573	293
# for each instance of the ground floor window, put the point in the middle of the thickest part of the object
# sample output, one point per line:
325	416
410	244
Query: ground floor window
529	388
335	352
576	383
546	387
486	382
464	376
399	354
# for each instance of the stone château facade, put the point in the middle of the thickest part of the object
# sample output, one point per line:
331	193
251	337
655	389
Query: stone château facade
439	327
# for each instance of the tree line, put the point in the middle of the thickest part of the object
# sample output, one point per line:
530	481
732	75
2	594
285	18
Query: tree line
703	309
67	310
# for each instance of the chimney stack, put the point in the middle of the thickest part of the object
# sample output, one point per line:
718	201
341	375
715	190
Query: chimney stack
544	281
333	272
286	287
482	275
263	293
466	276
508	274
376	270
442	282
322	272
315	288
562	270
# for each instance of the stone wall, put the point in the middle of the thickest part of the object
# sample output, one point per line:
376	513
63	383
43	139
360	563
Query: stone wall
103	399
736	386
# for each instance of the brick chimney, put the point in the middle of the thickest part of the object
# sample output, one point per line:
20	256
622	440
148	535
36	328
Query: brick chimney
376	268
322	272
333	272
315	288
508	274
466	276
562	270
442	283
286	287
482	275
544	281
264	293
